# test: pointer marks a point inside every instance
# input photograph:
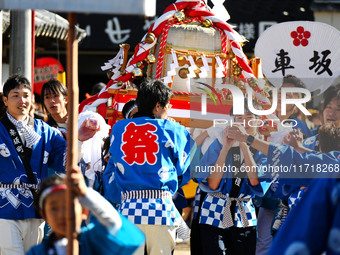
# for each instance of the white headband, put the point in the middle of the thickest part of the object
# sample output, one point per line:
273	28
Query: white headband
48	191
129	111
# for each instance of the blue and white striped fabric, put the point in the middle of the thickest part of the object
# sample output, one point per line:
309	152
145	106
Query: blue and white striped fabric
31	137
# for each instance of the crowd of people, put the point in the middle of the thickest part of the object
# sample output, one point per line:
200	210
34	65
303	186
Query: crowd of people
256	195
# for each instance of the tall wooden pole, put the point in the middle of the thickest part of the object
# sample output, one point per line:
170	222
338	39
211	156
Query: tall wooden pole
72	130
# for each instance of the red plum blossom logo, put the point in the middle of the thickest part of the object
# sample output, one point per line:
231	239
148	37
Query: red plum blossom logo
300	36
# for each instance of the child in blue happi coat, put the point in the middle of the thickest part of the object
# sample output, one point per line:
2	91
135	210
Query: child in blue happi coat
109	233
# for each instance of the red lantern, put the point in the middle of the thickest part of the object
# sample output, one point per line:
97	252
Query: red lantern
45	69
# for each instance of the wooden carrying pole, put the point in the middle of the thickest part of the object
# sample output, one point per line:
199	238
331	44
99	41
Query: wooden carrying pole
72	130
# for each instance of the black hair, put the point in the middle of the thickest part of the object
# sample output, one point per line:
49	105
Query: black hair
55	179
149	94
53	86
2	105
15	81
127	108
329	136
97	88
293	80
106	146
329	94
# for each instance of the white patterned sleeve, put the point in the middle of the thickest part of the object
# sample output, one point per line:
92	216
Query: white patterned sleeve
102	210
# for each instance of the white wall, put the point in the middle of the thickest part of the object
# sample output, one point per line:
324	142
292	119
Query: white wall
330	18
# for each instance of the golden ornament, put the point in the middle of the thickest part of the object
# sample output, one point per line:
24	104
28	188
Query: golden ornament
119	83
151	59
231	54
265	93
137	73
181	60
180	16
237	71
122	72
150	38
139	63
207	23
183	73
197	71
109	73
253	83
240	84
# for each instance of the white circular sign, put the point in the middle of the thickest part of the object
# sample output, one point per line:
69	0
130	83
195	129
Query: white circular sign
309	50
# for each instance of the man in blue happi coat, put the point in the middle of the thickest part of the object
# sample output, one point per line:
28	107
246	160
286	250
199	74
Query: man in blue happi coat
28	147
150	155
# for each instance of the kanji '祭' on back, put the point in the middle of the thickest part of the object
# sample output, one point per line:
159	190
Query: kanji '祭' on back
196	108
150	155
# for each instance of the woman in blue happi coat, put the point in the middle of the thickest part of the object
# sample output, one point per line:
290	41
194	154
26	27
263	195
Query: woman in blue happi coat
229	174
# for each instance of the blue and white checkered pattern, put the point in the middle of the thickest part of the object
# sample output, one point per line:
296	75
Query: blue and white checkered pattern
212	212
150	211
196	202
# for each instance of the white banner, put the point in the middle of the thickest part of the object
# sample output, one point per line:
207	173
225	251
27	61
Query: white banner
308	50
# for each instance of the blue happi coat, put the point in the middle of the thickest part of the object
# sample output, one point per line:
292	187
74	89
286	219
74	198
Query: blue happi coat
303	127
112	191
291	192
17	203
149	154
298	169
280	189
311	142
212	207
98	239
295	193
313	225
